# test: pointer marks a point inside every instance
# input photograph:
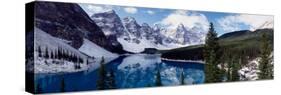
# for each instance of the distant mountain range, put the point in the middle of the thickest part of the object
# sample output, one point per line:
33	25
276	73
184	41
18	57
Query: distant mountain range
156	36
244	40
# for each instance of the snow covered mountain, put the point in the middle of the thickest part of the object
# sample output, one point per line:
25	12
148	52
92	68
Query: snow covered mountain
132	26
110	23
70	22
147	32
135	37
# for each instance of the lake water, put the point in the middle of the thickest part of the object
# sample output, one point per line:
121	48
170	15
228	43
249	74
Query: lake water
133	71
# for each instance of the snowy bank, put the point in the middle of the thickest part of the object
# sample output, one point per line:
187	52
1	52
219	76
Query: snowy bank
176	60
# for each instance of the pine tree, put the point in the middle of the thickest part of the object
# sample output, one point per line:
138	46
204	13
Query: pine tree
81	60
235	65
211	57
39	51
52	55
59	53
67	55
158	79
55	54
265	66
46	53
87	62
101	84
229	67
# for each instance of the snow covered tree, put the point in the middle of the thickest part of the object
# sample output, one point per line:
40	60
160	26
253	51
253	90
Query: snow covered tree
265	66
101	84
211	57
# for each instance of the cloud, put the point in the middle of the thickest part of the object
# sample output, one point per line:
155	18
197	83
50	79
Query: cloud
92	9
150	12
131	10
253	22
187	18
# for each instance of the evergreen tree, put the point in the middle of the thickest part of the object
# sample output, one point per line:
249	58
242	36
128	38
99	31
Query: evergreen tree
55	54
52	55
101	84
70	56
46	53
59	53
39	51
87	62
229	64
158	79
67	55
211	57
265	66
81	60
235	65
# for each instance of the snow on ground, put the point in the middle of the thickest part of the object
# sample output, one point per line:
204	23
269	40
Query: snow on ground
196	61
43	65
47	65
45	40
250	70
94	50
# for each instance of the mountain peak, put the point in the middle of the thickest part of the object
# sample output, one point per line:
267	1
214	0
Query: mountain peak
104	13
129	19
181	27
145	25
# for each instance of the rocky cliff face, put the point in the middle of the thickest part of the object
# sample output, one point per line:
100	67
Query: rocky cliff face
69	22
